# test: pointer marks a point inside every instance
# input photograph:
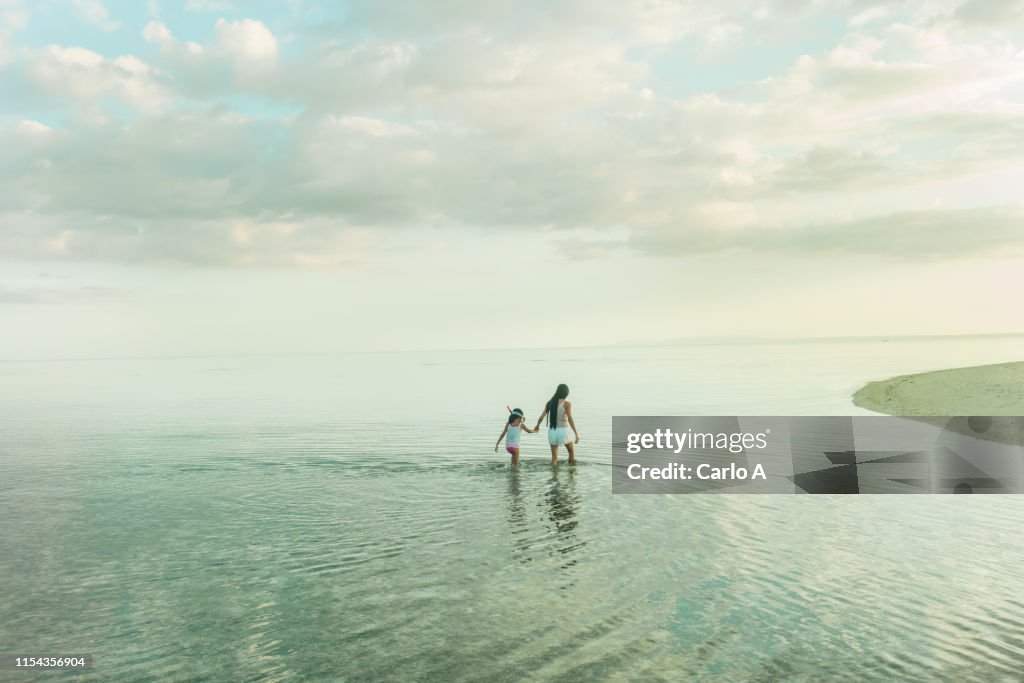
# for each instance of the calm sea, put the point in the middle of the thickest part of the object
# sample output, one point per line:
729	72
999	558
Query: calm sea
344	517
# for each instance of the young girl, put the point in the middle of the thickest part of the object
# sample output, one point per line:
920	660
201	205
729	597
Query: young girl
512	429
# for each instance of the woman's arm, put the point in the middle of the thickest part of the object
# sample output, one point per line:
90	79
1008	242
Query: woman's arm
541	418
572	423
503	432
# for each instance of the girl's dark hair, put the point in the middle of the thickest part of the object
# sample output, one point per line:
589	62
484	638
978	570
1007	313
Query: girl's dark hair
561	392
516	412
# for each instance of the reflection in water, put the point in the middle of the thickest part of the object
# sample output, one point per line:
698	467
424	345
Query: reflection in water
517	516
516	508
562	500
553	533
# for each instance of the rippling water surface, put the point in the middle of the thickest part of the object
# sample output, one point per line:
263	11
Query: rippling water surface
344	517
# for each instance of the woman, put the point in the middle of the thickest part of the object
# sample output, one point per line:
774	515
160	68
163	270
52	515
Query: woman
559	412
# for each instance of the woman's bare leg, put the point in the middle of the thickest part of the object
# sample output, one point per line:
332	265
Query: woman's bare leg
554	455
572	453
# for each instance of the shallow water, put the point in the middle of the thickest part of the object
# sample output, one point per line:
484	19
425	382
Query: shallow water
344	517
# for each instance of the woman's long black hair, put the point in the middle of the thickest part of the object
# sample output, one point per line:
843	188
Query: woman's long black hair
561	392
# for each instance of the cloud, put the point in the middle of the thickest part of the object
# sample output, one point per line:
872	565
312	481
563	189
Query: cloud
96	13
828	168
642	21
161	240
260	146
990	13
371	126
931	234
909	235
869	14
247	42
86	78
184	56
209	6
243	56
14	17
29	128
54	295
157	32
14	14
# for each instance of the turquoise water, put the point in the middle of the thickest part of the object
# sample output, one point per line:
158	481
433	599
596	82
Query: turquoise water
344	517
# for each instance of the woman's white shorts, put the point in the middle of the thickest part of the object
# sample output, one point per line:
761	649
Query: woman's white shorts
559	436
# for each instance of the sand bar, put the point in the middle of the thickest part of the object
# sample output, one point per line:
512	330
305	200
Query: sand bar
979	390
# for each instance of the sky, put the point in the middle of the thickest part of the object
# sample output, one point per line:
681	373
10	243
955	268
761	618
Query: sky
216	176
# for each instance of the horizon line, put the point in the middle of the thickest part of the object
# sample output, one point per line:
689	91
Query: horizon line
724	340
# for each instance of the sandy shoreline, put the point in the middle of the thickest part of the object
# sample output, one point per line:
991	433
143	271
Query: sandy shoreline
980	390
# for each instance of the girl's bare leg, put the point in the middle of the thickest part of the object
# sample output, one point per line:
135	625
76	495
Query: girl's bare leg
572	453
515	458
554	455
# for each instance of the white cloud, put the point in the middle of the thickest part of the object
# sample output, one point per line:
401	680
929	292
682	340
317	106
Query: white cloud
209	6
53	295
870	14
85	77
990	13
158	33
371	126
95	12
912	235
243	54
14	15
184	55
248	42
33	128
553	123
